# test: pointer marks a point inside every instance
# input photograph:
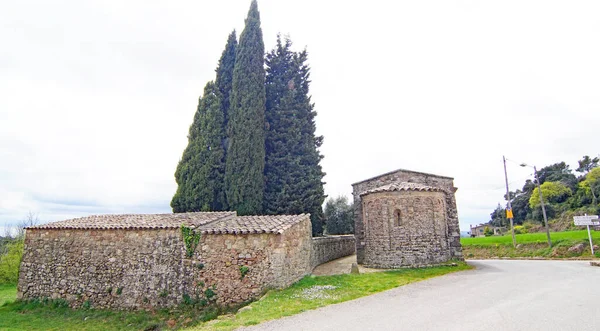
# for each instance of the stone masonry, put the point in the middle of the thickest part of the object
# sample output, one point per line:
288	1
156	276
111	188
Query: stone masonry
141	261
406	219
328	248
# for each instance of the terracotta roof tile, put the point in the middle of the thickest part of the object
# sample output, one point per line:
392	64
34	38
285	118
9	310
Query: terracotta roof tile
206	222
138	221
253	224
403	187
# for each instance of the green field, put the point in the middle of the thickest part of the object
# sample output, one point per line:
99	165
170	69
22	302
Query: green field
533	238
309	293
532	245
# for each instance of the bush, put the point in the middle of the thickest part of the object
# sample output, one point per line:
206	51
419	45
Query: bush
10	262
488	232
520	229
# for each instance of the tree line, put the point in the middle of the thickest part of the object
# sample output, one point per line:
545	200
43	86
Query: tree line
563	191
252	145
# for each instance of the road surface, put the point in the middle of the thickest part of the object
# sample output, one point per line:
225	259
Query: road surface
497	295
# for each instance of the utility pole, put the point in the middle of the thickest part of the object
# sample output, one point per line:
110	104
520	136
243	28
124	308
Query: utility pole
509	213
537	179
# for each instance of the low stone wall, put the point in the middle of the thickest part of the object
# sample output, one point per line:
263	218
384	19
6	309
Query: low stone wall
149	268
107	268
325	249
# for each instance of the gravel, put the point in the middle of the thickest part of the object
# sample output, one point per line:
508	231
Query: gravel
316	292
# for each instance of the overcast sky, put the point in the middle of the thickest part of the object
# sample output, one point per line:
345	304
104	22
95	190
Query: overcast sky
96	98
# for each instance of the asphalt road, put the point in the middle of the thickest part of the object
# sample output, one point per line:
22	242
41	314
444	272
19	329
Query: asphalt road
497	295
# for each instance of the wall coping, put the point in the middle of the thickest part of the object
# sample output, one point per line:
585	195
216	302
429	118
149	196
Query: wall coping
335	237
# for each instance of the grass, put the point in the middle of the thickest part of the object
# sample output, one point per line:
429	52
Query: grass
309	293
56	315
532	238
317	291
8	293
530	245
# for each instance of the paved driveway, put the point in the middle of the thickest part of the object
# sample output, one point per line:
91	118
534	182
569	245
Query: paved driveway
497	295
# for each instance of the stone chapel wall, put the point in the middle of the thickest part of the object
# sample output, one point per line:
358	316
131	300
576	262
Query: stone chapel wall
444	183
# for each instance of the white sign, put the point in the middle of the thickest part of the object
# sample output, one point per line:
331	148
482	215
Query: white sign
586	220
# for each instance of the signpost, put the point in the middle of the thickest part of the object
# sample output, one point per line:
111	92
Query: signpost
587	220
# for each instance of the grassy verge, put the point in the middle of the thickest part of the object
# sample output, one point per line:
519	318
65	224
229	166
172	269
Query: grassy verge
317	291
56	315
8	293
530	245
309	293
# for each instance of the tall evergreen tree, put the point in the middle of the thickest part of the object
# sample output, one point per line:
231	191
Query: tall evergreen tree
225	73
293	175
244	179
200	171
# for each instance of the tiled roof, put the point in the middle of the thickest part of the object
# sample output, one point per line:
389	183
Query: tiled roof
206	222
403	187
138	221
253	224
402	170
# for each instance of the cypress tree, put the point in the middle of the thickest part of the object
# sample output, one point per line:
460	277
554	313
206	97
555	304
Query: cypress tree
293	175
246	146
199	174
225	73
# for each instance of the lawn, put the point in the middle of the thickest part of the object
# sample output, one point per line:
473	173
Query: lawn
313	292
532	238
309	293
56	315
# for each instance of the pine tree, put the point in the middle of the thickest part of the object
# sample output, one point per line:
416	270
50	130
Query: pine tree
200	171
225	73
293	175
246	120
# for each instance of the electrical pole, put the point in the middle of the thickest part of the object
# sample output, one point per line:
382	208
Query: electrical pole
537	179
509	213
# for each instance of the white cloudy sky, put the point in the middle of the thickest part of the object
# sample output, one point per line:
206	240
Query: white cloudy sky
96	97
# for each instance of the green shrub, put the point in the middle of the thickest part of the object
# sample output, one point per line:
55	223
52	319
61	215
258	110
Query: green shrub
488	232
243	271
10	262
520	229
187	299
86	305
209	294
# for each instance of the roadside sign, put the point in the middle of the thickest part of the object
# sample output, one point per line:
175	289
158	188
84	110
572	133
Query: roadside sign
509	213
586	220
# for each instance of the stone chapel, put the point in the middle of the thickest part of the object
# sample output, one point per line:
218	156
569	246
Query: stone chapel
406	218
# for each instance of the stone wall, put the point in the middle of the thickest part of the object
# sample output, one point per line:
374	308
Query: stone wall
405	229
108	268
146	268
444	183
273	261
329	248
